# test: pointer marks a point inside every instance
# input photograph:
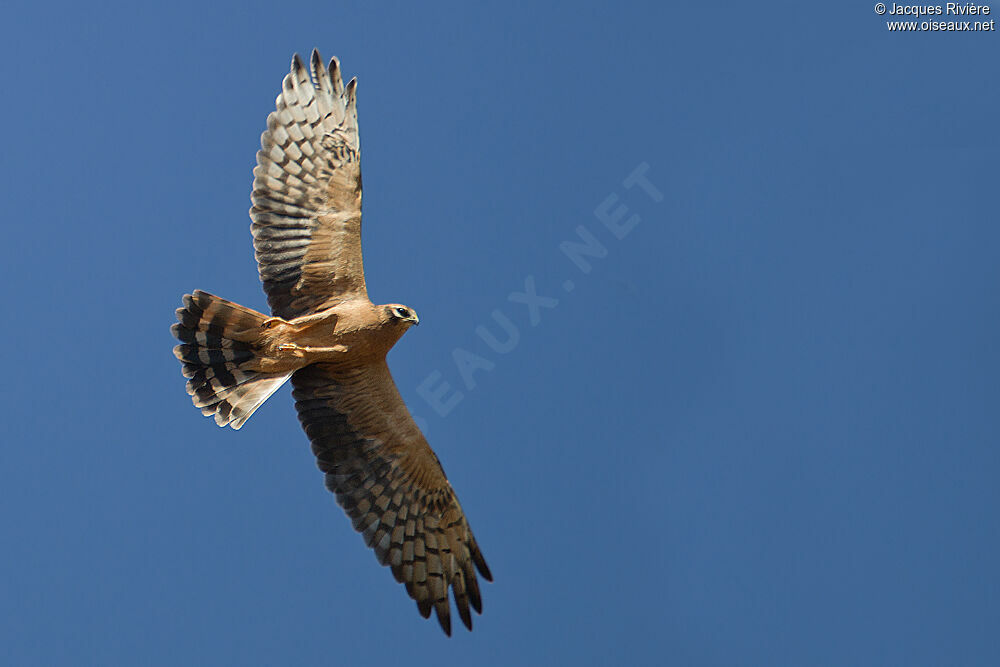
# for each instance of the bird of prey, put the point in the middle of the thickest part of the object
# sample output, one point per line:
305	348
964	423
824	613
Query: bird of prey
331	340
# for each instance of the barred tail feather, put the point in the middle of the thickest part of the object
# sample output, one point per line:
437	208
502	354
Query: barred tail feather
217	340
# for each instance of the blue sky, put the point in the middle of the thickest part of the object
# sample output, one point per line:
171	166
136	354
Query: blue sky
759	430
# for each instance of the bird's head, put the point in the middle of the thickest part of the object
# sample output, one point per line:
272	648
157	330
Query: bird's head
401	315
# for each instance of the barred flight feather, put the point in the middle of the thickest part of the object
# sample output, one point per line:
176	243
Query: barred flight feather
391	485
308	174
217	339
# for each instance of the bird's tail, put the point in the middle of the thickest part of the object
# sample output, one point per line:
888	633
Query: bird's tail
218	342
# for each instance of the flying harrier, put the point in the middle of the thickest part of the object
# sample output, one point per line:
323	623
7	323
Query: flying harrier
331	340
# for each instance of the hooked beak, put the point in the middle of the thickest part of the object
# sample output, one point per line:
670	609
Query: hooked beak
415	320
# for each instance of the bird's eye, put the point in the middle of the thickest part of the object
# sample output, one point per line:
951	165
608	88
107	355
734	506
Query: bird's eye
401	312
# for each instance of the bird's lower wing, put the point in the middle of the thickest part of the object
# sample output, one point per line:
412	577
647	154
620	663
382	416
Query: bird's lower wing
391	484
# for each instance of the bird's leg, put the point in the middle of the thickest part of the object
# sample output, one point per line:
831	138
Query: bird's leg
299	323
302	349
296	350
322	316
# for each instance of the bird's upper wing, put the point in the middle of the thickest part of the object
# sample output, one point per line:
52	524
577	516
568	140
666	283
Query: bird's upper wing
391	484
307	193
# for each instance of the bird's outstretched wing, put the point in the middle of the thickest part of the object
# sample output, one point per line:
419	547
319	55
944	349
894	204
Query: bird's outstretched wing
390	483
307	193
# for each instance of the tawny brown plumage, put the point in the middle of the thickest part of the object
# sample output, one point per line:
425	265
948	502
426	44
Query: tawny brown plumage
331	340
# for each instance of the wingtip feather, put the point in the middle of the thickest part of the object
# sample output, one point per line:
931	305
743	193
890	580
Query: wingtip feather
335	76
445	622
